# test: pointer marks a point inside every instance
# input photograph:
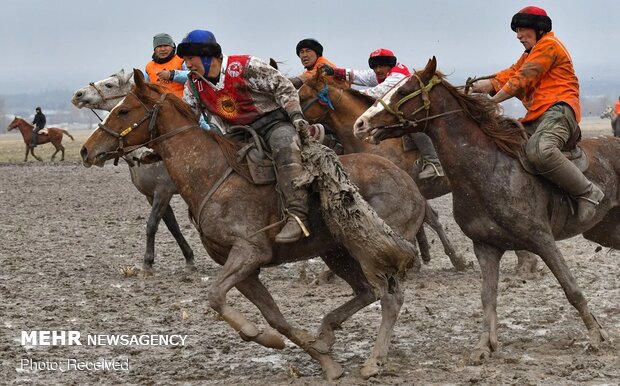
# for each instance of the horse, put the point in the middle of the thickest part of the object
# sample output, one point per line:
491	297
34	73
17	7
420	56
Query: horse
334	103
53	135
610	112
233	217
496	202
151	179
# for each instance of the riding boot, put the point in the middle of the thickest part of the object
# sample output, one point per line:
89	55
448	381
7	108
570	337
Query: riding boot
568	177
431	165
296	203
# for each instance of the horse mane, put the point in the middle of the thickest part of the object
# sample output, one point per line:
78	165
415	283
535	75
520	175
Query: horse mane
316	82
228	147
507	133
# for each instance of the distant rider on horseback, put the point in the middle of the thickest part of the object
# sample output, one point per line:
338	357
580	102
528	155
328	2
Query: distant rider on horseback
39	124
544	80
244	90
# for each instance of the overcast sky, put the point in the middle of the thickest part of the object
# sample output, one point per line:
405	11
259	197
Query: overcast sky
65	44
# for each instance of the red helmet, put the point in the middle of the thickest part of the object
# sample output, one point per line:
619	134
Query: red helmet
531	17
382	57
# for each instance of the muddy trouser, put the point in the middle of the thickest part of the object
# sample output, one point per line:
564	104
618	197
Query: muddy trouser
616	123
425	146
284	142
35	134
549	135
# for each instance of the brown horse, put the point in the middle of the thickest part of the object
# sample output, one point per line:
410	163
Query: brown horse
496	202
229	211
334	103
53	135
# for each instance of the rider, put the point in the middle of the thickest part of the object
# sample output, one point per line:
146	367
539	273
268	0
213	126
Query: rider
543	78
310	52
166	69
244	90
384	74
39	123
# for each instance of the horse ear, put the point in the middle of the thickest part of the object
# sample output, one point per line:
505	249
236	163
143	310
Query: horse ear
429	70
138	78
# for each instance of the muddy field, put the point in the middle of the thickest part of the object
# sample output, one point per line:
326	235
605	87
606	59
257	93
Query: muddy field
66	232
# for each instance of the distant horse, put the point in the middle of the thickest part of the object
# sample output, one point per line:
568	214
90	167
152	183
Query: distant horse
232	213
610	112
337	105
150	179
49	134
496	202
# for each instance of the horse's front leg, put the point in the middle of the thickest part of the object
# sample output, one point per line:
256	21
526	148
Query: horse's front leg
253	289
391	303
34	155
489	258
555	261
243	260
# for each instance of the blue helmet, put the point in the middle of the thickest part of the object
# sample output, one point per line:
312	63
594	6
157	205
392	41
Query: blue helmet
200	43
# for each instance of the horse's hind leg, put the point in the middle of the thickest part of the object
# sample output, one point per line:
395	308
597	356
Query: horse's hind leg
61	148
391	303
253	289
431	218
173	226
526	262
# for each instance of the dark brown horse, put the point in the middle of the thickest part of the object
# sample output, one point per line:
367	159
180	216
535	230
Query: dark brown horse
50	134
334	103
496	202
229	211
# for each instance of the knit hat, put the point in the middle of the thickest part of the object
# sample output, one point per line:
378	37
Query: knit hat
163	40
381	57
531	17
310	44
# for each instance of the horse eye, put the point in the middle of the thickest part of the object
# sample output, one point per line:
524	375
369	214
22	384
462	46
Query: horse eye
109	85
123	112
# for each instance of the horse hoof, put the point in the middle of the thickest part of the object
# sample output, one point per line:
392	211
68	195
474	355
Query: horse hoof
333	371
190	268
479	355
370	370
248	332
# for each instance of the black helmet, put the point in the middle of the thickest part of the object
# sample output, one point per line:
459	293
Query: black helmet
311	44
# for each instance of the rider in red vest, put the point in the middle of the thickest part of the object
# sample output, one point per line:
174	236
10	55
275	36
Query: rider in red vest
244	90
384	74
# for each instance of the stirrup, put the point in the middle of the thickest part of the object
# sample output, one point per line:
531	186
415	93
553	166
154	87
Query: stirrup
304	230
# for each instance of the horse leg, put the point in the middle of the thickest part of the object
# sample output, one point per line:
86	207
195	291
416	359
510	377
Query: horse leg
34	155
431	218
254	290
27	151
61	148
488	258
555	261
391	303
173	226
152	224
526	263
425	249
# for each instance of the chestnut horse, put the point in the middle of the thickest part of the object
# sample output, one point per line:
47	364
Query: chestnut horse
334	103
232	213
496	202
50	134
152	179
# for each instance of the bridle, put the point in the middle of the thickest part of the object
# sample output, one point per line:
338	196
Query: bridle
150	116
324	100
103	97
423	92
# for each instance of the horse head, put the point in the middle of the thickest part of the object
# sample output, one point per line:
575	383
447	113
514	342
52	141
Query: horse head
104	94
14	123
608	112
134	122
384	119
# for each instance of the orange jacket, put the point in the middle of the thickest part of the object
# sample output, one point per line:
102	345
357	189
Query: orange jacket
319	62
176	63
542	78
618	107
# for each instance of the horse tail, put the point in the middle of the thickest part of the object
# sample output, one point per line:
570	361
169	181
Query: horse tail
383	254
65	132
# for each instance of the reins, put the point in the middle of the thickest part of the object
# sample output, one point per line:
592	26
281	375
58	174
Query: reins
423	92
323	99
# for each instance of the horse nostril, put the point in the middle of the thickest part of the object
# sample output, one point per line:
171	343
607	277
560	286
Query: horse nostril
79	94
83	153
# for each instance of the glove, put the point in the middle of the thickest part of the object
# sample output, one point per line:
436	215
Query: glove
300	124
317	131
327	69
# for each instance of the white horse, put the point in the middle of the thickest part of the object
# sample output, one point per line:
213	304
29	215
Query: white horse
151	179
610	112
